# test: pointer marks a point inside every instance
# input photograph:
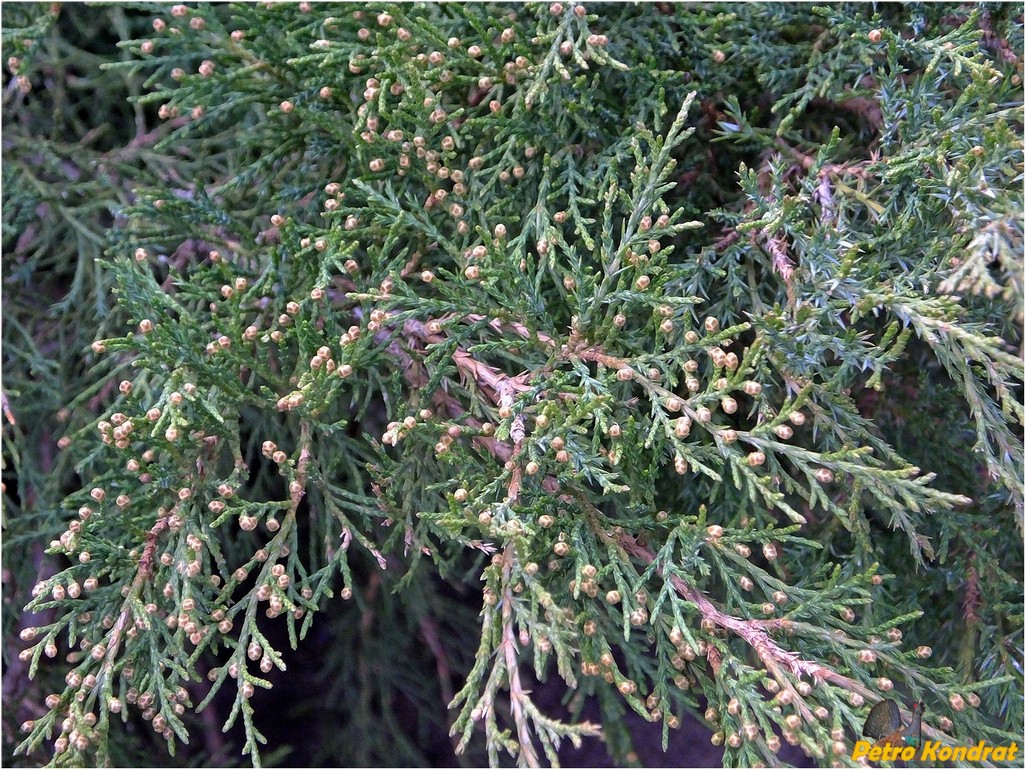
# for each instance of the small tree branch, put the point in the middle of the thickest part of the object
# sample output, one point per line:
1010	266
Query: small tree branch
517	696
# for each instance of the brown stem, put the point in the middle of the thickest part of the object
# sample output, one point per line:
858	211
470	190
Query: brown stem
517	696
754	632
429	630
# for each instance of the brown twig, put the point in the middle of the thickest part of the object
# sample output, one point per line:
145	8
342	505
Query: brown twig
499	325
508	648
7	411
429	630
370	595
728	238
994	41
806	161
486	376
151	137
971	601
145	569
754	632
776	245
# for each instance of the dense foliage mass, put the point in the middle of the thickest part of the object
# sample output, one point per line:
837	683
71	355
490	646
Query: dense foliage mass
668	357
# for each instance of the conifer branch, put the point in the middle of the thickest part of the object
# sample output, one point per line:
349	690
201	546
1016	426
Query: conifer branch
673	339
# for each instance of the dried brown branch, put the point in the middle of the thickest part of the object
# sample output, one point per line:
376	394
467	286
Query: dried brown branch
517	694
971	602
485	376
806	161
149	138
146	560
298	489
995	42
370	595
754	632
728	238
429	630
499	326
7	410
776	245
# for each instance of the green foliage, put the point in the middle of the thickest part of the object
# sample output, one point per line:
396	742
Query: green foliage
690	337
